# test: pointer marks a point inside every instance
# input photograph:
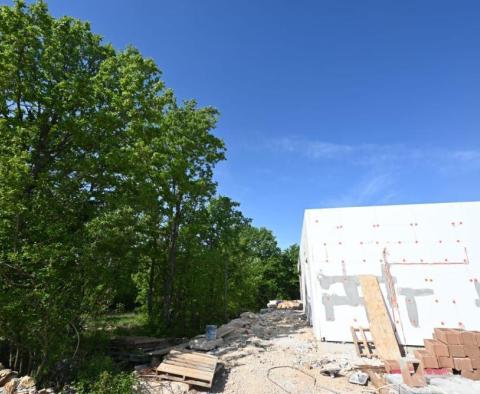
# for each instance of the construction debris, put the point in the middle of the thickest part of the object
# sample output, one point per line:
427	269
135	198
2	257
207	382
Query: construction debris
192	368
10	383
285	304
139	350
204	344
358	377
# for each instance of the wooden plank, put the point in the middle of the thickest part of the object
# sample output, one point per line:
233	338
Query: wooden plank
186	361
186	380
187	353
366	348
194	366
184	371
355	341
380	324
189	367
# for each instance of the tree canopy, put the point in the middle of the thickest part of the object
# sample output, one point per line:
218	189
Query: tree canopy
107	196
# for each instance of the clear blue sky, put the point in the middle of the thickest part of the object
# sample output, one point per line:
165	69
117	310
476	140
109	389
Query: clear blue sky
323	103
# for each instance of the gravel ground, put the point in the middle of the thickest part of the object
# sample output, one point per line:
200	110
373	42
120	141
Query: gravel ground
273	352
277	353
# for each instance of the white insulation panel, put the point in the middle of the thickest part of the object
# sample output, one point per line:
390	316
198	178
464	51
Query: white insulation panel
426	258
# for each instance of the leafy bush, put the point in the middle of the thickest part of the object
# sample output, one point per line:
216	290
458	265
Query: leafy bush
108	383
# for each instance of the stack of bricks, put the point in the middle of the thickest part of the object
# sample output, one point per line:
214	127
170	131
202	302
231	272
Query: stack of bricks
452	349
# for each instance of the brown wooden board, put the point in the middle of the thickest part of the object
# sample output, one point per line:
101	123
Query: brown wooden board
363	346
380	324
190	367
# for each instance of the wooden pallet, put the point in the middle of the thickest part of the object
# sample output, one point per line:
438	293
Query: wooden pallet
363	346
192	368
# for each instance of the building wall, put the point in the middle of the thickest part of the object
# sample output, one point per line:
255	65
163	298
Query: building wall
426	258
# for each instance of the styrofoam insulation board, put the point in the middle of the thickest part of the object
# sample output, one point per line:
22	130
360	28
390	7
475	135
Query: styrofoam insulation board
433	252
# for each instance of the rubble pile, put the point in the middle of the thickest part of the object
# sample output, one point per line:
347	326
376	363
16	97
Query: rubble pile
249	329
11	383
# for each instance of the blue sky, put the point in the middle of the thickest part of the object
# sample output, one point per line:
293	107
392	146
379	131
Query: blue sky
323	103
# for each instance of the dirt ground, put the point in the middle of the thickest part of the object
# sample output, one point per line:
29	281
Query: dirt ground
276	352
285	360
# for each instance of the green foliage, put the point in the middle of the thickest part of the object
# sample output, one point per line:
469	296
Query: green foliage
108	383
107	200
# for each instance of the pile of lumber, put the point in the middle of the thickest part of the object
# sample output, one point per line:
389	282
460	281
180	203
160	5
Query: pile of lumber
453	349
138	349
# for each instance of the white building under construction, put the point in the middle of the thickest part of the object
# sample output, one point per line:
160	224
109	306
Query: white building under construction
426	258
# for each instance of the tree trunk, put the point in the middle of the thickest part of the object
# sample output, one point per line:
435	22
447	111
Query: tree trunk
151	284
225	287
171	265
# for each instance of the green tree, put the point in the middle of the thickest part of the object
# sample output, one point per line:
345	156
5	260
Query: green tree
70	108
176	177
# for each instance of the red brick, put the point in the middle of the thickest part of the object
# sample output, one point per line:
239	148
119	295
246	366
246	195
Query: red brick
445	362
461	363
475	362
440	334
474	375
436	347
428	360
477	337
469	338
472	351
450	336
415	378
457	350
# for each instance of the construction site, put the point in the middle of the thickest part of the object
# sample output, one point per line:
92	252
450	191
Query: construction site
239	197
391	294
389	305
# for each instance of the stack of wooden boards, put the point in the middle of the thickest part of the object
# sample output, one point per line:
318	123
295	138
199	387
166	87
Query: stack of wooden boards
192	368
138	349
453	349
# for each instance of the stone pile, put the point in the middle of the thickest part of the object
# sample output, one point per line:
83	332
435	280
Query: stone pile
11	383
250	330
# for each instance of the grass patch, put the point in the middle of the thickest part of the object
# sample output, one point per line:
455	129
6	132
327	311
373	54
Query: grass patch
118	324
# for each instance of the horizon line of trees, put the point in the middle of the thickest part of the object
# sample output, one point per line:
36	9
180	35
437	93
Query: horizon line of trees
107	196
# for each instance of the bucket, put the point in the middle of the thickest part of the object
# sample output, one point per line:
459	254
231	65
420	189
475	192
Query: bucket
211	332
